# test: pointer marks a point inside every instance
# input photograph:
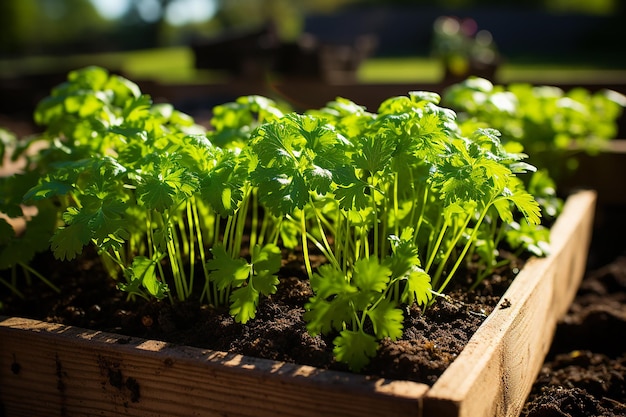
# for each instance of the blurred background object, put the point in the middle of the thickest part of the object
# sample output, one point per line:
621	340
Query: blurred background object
198	53
463	49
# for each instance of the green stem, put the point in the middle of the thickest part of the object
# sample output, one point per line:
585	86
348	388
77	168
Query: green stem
464	251
328	252
149	234
305	246
324	250
376	232
241	217
183	239
192	246
200	239
227	232
420	218
164	223
12	288
434	249
255	218
396	211
451	247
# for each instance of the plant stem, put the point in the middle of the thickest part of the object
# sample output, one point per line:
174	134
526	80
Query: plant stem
255	218
305	246
12	288
200	239
433	251
192	246
451	246
465	248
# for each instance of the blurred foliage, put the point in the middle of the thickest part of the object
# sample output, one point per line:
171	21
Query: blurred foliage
602	7
53	26
462	46
37	25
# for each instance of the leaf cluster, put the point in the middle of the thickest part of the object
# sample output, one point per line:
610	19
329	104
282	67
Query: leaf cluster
548	122
398	201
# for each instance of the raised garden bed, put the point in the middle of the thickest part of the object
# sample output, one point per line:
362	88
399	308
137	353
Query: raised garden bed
599	171
48	368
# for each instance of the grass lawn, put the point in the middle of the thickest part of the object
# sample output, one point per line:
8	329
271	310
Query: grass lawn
175	65
425	70
400	70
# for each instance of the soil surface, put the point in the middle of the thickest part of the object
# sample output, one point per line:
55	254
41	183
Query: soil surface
431	341
584	373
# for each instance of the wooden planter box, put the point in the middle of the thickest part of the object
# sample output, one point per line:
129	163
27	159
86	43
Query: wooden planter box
603	172
50	369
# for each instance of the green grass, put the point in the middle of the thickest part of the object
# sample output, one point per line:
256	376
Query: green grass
547	74
176	65
400	70
426	70
173	65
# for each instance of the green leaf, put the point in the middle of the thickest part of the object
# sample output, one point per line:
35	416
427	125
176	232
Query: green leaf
297	155
277	144
355	348
68	241
404	254
244	301
526	204
48	188
108	219
281	190
319	179
144	270
426	96
8	141
266	258
503	206
351	192
135	114
225	270
266	262
387	320
532	238
222	186
321	315
374	153
155	194
289	233
92	76
370	275
329	281
418	287
122	87
35	239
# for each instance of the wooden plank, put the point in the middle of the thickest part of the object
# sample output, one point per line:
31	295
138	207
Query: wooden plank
604	172
50	369
494	373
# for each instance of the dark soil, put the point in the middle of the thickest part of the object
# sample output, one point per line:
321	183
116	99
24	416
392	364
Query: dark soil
90	300
583	374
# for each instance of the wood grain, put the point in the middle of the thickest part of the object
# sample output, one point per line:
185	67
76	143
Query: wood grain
49	369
